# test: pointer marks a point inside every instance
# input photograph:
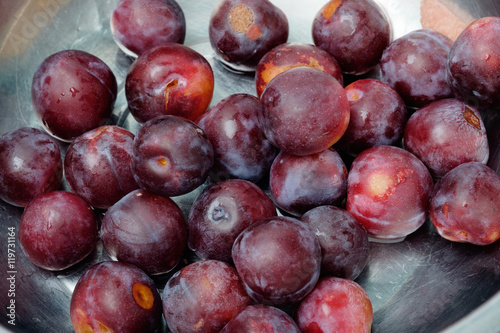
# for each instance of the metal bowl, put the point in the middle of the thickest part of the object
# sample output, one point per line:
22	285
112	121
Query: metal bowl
422	284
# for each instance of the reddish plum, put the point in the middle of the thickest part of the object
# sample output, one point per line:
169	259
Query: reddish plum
336	305
171	156
203	297
278	260
30	164
146	230
354	32
445	134
97	165
170	79
240	146
464	204
388	191
58	229
242	31
300	183
73	92
138	25
344	241
261	318
221	212
112	296
304	111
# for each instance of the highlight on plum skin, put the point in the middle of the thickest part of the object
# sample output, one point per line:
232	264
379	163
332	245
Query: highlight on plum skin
139	25
73	92
97	165
146	230
58	230
113	296
221	212
30	165
464	204
445	134
203	297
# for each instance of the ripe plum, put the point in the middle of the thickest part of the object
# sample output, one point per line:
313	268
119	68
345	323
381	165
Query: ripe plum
30	164
261	318
73	92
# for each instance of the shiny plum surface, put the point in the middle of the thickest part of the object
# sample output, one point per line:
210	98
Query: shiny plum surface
203	297
300	183
241	149
171	156
73	92
304	111
221	212
278	260
30	164
97	165
169	79
113	296
445	134
58	229
344	242
138	25
261	318
464	204
242	31
354	32
146	230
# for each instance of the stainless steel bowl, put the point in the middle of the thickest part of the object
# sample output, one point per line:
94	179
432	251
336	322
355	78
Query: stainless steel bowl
423	284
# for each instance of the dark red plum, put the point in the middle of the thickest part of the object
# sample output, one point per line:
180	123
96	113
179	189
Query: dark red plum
139	25
58	229
278	260
354	32
378	116
445	134
344	242
203	297
464	205
241	149
97	165
73	92
113	296
336	305
304	111
171	156
388	191
221	212
473	67
415	66
146	230
169	79
261	318
30	164
300	183
291	55
242	31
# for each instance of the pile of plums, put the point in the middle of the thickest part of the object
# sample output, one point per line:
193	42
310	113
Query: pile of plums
293	181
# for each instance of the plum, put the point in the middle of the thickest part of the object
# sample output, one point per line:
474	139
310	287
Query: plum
58	229
113	296
138	25
304	111
464	204
278	260
203	297
261	318
30	164
354	32
73	92
97	165
242	31
221	212
169	79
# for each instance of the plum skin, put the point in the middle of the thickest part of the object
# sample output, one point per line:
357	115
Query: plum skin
73	92
257	318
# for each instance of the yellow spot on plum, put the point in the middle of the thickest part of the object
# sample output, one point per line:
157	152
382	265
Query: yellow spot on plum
240	18
143	296
330	8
